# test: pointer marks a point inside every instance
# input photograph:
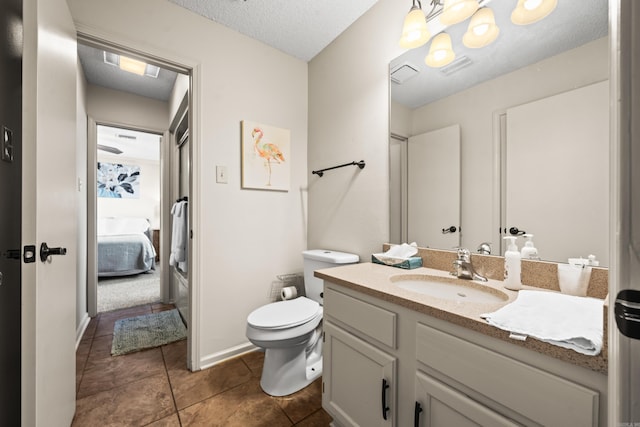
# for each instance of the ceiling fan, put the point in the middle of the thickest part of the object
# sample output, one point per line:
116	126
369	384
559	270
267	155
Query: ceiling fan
109	149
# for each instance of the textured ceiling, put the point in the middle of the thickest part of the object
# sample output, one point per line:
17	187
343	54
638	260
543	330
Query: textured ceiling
100	74
572	24
301	28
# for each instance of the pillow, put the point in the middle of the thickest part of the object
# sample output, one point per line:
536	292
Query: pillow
123	225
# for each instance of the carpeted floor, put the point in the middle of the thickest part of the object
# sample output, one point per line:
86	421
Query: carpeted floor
128	291
147	331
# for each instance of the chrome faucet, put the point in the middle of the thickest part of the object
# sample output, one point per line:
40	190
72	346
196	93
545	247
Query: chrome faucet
484	248
463	269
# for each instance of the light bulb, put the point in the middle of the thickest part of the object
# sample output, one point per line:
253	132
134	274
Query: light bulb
532	4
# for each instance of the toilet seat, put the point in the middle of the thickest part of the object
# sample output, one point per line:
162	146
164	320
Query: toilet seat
284	314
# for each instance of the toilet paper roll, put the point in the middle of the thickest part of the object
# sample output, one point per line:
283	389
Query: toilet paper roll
289	292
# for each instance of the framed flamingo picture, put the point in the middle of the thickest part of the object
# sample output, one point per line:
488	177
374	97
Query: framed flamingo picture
266	155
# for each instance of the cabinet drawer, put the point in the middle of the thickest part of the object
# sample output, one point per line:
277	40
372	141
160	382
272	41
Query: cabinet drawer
541	397
371	320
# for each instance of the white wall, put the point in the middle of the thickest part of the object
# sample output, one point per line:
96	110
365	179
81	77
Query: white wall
246	237
126	109
147	205
349	120
81	171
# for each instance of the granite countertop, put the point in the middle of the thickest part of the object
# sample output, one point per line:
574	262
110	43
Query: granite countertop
374	280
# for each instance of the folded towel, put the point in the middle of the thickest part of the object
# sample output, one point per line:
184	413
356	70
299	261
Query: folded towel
564	320
179	236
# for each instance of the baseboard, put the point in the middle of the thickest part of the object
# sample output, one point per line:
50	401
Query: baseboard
82	327
213	359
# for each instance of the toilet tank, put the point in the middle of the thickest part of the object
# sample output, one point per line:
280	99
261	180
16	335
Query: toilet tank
315	259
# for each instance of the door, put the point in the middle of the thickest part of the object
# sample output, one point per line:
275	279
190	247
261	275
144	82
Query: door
50	197
10	214
438	405
359	381
624	286
433	196
563	204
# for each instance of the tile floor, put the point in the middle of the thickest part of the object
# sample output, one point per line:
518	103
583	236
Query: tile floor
154	388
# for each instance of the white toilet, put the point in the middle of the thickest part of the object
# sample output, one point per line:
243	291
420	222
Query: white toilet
291	331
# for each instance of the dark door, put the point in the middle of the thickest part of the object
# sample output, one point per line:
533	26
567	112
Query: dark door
10	208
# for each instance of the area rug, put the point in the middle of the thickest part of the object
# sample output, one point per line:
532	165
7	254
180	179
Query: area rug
115	293
147	331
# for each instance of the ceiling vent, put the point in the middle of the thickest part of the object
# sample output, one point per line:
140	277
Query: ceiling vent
456	65
403	72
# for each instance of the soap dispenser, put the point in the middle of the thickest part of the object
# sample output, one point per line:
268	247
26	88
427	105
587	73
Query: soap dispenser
529	251
512	265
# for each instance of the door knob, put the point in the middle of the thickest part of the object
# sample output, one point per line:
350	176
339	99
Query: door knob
451	229
515	232
46	251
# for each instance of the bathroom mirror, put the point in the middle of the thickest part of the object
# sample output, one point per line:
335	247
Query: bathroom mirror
480	92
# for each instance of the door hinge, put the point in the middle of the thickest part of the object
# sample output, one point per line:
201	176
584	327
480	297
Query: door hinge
322	336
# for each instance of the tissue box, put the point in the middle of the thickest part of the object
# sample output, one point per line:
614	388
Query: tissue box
409	263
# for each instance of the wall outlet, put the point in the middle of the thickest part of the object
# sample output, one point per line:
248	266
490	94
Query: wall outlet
221	174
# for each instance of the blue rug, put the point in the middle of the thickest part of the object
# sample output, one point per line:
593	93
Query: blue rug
147	331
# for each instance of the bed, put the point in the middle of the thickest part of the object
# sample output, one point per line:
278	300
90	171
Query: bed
124	246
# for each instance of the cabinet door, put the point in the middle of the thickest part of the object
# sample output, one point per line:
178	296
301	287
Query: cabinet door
359	380
442	406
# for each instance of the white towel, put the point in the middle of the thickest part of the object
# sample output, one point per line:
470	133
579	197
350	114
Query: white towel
179	236
564	320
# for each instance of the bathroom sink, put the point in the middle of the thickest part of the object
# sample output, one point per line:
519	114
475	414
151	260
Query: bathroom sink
448	288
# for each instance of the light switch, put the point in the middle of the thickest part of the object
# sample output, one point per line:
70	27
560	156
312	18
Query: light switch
221	174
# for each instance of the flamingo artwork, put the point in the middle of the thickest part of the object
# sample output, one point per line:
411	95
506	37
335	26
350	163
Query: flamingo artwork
266	150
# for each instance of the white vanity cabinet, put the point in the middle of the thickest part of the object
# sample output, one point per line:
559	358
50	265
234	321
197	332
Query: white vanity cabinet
359	373
439	405
441	374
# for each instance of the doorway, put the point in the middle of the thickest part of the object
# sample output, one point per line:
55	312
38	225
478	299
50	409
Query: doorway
128	217
129	104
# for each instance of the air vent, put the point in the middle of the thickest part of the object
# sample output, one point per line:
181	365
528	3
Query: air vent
403	72
126	136
456	65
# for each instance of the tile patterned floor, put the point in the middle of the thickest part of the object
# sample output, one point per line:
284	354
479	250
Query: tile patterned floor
154	388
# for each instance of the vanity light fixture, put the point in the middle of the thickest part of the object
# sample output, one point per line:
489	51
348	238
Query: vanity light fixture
454	11
482	29
131	65
530	11
440	51
414	31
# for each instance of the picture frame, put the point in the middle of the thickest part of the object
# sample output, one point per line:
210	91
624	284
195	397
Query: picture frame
118	181
266	156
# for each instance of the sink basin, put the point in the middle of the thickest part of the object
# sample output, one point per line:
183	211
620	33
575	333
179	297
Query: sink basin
448	288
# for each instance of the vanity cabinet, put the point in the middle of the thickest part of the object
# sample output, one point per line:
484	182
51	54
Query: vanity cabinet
359	383
441	374
359	374
438	405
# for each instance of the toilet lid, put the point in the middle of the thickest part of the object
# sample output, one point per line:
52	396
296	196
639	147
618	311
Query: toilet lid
284	314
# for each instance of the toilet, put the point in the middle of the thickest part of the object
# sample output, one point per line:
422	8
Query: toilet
291	331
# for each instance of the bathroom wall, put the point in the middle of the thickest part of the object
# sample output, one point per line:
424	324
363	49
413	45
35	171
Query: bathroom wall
349	120
246	237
